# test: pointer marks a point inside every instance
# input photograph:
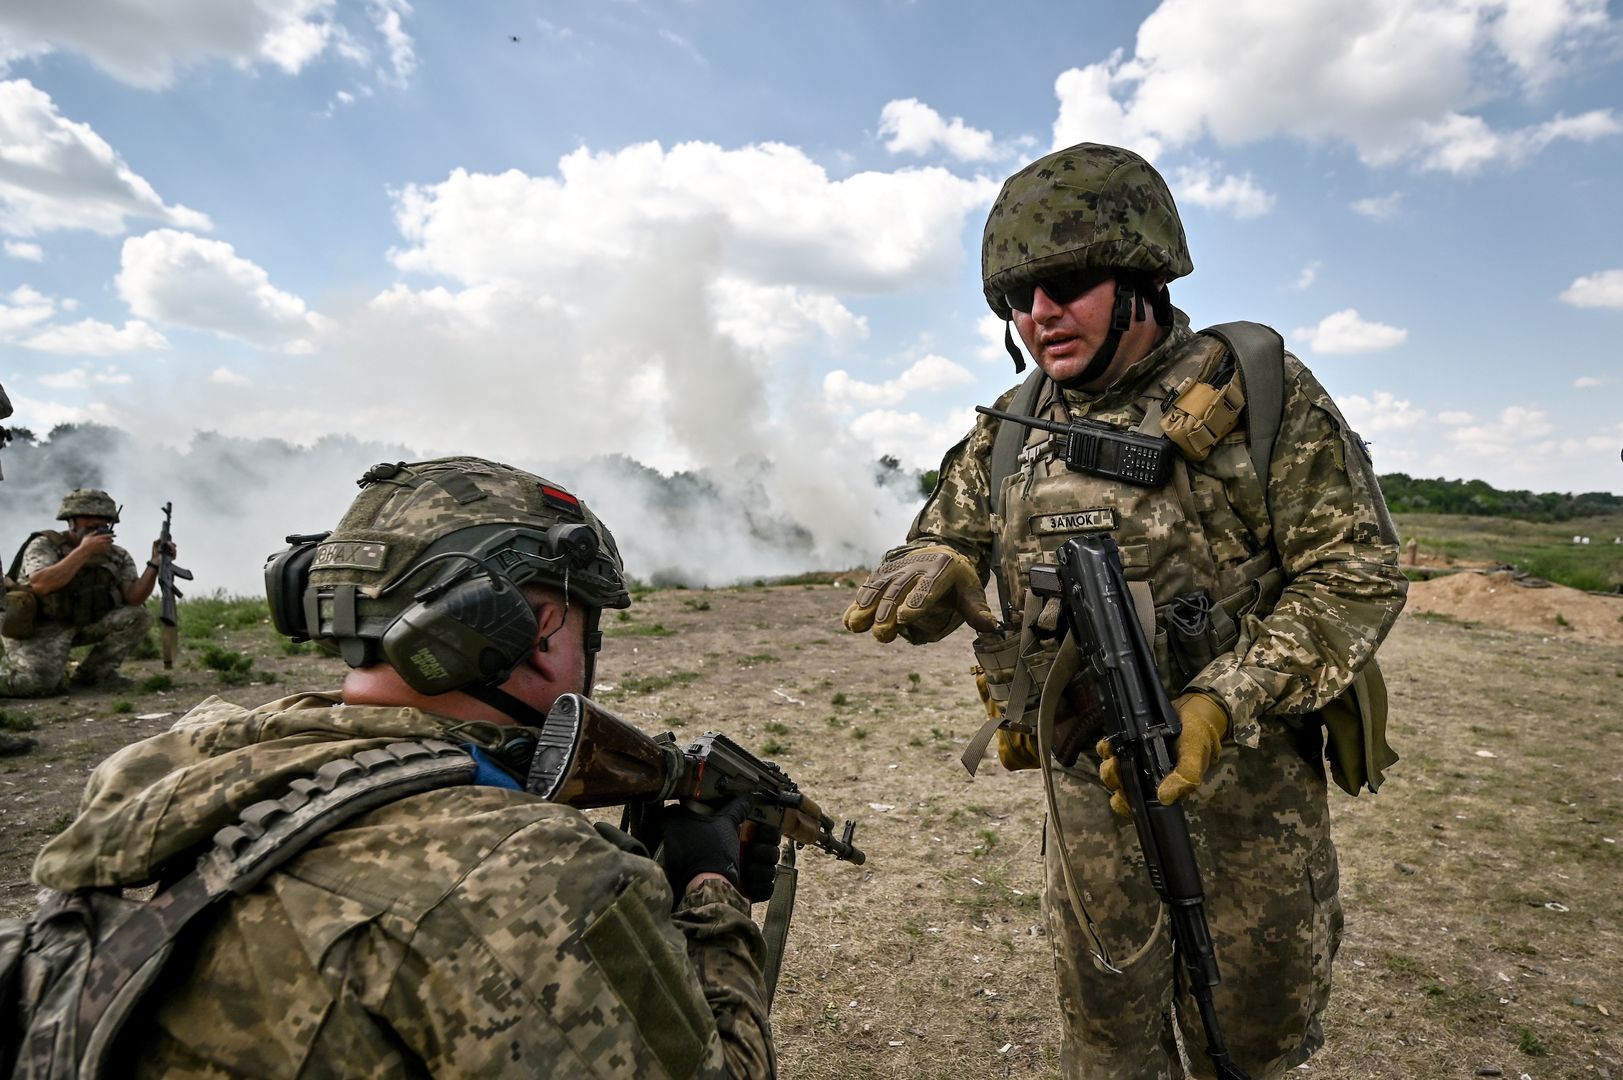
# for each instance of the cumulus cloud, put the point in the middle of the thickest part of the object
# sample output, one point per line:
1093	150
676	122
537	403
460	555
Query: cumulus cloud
1309	274
1345	332
81	378
772	214
147	45
989	329
89	337
1379	207
21	309
1238	195
19	249
911	127
186	280
929	373
1455	417
1381	412
910	438
772	317
224	376
1394	78
1603	289
59	174
1517	430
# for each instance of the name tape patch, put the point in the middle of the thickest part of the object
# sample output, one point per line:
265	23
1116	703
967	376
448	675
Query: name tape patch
351	555
1102	519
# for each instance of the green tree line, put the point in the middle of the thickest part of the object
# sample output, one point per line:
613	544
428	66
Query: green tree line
1408	494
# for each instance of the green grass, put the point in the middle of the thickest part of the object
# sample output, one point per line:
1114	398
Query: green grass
15	722
205	616
639	630
154	683
649	684
1544	549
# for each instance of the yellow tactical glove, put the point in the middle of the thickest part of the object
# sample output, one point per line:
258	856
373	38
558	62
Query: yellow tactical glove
1204	722
922	588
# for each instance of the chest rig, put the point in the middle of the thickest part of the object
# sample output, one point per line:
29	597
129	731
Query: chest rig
94	591
1196	546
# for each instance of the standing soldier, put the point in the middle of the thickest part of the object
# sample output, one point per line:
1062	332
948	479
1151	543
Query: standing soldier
1264	566
87	592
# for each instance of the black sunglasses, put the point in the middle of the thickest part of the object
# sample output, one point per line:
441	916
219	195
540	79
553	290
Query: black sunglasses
1060	288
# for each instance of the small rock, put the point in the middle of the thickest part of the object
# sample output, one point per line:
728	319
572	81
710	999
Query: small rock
15	745
1490	1070
1404	868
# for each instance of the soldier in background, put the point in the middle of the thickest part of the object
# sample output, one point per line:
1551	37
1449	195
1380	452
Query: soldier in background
87	592
1291	569
474	930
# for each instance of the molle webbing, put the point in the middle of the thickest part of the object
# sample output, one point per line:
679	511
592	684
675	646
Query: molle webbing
267	834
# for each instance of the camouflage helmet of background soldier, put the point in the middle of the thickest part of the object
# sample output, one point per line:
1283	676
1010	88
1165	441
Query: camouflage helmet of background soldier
418	528
87	502
1087	207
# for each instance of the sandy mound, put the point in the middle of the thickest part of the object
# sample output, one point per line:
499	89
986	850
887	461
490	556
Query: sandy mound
1497	600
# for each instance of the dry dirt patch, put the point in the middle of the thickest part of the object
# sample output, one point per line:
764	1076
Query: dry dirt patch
1499	600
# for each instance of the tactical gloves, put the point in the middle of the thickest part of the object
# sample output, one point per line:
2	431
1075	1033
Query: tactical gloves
1204	722
695	842
917	594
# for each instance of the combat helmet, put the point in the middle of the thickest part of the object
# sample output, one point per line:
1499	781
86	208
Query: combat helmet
1087	207
424	571
87	502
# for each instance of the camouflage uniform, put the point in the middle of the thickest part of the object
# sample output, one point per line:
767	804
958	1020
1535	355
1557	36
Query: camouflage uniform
1259	822
468	931
34	666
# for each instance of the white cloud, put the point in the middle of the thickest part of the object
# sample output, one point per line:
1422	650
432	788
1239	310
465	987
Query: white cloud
1602	289
990	329
59	174
910	438
147	44
929	373
766	213
1379	207
912	127
1391	77
1455	417
81	378
21	309
19	249
773	317
90	337
1238	195
224	376
1345	332
1380	413
175	277
1518	431
1309	274
1591	382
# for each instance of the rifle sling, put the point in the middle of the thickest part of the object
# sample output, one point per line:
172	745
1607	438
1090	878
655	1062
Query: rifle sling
779	911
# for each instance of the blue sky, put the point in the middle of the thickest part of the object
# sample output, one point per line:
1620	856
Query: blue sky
716	230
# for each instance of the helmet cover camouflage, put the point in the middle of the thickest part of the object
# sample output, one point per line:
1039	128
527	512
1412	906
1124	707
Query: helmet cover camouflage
87	502
1088	206
505	518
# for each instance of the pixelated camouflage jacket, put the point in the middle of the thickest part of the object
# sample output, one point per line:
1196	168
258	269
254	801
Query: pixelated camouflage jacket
467	931
1323	521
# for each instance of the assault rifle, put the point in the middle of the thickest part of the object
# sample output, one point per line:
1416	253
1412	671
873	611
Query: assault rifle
169	632
588	757
1142	727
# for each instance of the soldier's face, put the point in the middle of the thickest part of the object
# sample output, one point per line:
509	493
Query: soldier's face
1063	338
81	526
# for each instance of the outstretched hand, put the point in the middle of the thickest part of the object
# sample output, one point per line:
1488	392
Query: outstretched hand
923	588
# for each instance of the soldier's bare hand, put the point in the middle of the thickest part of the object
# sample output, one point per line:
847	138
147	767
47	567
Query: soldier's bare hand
158	546
96	543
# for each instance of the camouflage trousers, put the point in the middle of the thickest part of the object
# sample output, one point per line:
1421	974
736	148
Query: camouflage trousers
34	667
1261	829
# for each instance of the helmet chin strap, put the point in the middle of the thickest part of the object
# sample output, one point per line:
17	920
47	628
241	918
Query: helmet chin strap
521	711
1121	318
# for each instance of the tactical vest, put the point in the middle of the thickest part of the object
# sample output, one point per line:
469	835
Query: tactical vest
94	592
1197	552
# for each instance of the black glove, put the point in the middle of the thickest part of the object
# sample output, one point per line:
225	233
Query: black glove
760	858
699	842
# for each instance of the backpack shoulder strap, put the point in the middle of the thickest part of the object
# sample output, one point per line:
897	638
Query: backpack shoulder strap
1006	446
1259	351
17	559
129	958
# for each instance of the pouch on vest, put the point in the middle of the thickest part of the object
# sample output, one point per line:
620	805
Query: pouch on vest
21	608
1355	728
997	657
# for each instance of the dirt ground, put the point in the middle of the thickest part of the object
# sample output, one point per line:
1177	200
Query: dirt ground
1499	599
1481	884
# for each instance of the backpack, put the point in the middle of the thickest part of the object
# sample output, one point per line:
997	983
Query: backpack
22	605
74	972
1355	721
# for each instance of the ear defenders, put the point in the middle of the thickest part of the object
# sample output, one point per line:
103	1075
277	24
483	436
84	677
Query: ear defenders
457	634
